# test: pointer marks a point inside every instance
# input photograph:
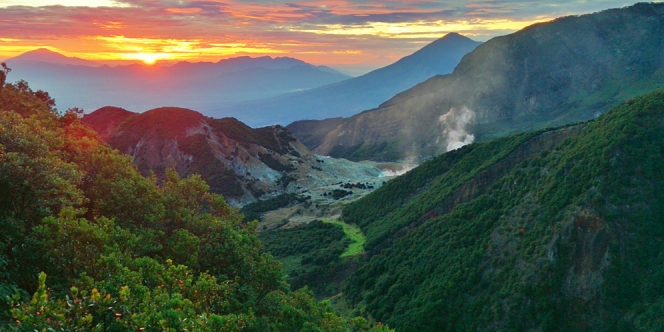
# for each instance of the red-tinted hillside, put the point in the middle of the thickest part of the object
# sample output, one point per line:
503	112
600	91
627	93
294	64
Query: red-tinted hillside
106	119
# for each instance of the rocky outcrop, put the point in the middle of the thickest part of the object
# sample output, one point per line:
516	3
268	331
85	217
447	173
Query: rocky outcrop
239	162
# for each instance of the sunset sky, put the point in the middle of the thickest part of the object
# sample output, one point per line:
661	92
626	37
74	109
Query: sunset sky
335	32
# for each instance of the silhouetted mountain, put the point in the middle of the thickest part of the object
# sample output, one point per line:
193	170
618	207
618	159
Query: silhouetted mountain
354	95
202	86
237	161
47	56
568	70
556	230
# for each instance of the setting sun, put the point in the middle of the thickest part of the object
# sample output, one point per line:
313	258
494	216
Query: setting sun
148	58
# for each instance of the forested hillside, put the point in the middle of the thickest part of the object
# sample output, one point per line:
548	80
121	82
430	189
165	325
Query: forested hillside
88	244
553	230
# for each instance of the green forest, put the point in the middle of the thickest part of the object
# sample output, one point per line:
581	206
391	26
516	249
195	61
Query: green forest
557	230
309	254
88	244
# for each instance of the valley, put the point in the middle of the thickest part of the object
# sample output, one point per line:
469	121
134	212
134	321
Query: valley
506	185
322	200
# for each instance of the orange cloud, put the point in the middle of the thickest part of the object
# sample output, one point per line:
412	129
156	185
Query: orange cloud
317	31
184	10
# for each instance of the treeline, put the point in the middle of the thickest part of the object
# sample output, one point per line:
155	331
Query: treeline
88	244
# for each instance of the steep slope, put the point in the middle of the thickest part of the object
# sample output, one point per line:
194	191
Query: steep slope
555	230
202	86
567	70
239	162
354	95
44	55
312	132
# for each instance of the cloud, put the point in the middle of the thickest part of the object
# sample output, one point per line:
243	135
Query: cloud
332	31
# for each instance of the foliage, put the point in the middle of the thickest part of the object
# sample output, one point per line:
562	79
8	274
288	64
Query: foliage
308	253
122	253
401	203
567	239
252	211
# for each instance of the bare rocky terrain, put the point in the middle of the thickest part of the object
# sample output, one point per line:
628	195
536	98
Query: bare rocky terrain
360	179
243	164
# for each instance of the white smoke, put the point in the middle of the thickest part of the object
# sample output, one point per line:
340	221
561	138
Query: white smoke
396	172
455	123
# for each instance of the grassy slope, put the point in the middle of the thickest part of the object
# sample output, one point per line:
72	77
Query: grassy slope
569	239
354	234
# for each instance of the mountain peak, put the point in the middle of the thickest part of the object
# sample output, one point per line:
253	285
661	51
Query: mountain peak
106	119
42	50
499	86
48	56
172	121
453	35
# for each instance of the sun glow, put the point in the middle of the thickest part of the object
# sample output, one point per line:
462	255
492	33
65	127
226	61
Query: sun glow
423	29
148	58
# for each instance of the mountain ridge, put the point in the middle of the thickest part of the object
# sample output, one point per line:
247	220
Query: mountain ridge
356	94
47	56
242	163
198	86
545	75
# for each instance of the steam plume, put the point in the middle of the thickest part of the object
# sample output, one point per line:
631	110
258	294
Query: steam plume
397	172
455	123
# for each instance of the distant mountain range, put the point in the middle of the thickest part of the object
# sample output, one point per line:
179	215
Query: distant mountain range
351	96
75	82
239	162
43	55
571	69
